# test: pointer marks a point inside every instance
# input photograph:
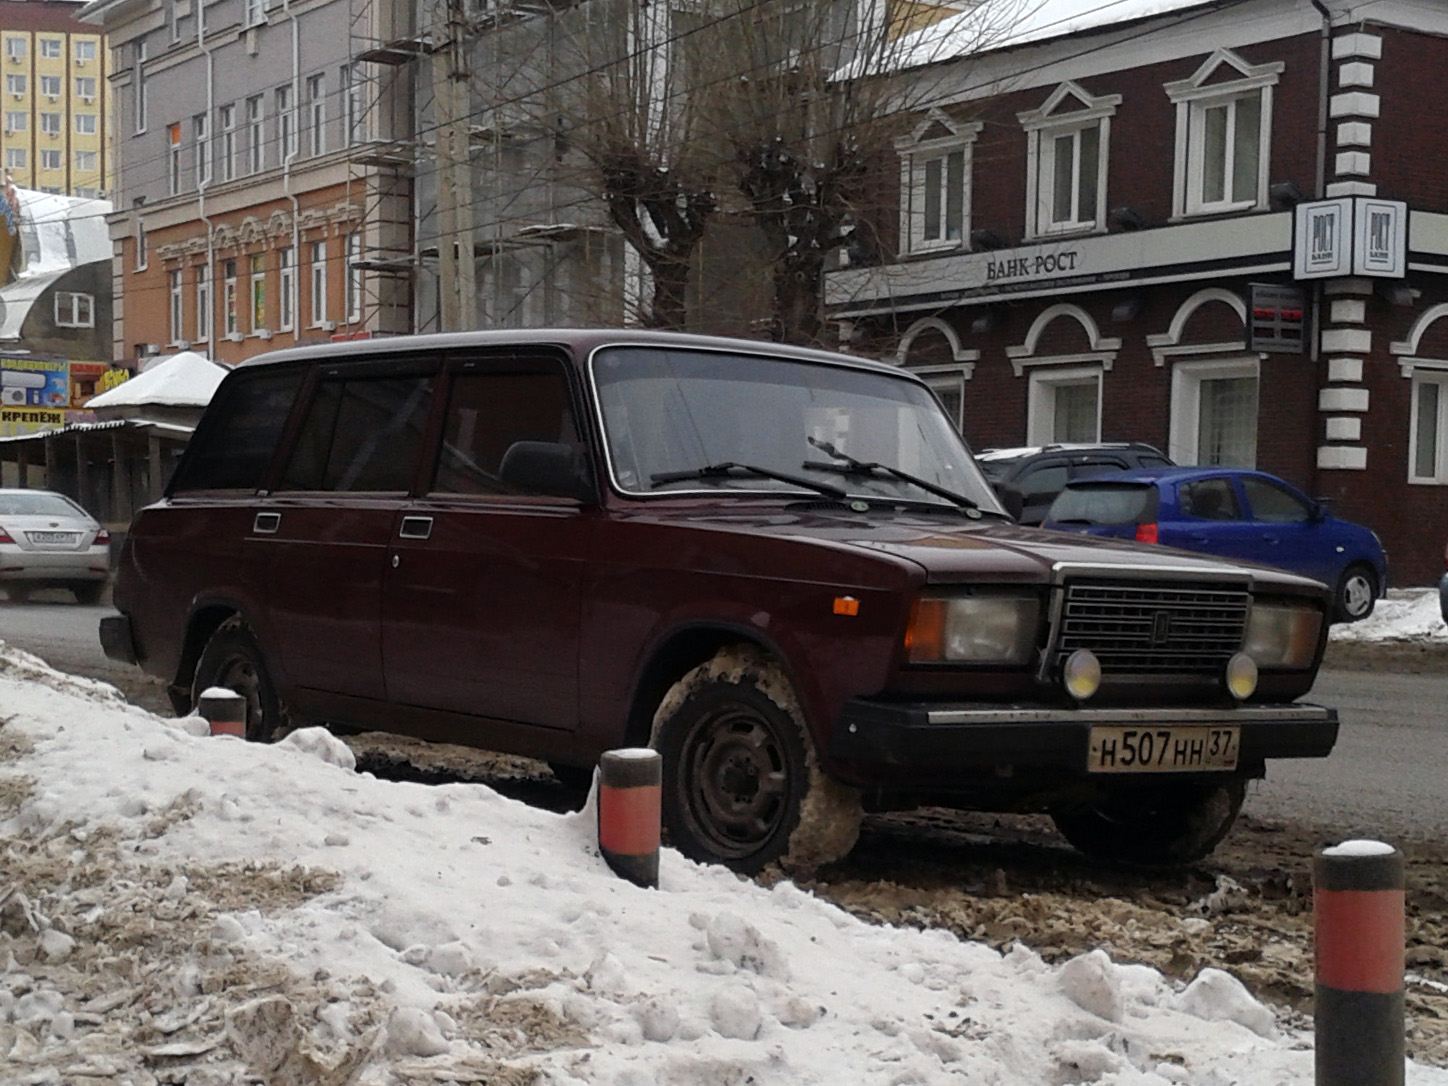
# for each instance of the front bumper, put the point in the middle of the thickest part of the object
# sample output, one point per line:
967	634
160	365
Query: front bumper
92	564
935	737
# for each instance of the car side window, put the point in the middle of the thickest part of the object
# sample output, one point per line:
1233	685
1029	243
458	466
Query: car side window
1043	480
1210	499
233	450
360	435
1096	466
488	412
1271	503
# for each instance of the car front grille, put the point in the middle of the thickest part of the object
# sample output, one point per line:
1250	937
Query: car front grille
1153	629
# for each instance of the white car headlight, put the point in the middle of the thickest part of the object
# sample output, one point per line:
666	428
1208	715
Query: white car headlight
978	629
1281	635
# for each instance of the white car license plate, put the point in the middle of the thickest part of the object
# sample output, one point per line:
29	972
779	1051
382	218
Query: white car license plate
53	537
1180	749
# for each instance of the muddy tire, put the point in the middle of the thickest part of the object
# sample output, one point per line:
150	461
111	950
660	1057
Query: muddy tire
233	659
1154	825
742	785
1355	595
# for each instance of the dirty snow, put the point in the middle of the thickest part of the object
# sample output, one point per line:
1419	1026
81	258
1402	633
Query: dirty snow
181	908
1406	614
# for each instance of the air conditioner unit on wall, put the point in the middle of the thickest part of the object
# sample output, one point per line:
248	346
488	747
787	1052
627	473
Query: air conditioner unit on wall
328	326
233	337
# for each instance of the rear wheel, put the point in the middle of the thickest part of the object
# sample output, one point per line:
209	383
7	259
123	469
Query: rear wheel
1357	592
1157	825
742	785
89	593
233	660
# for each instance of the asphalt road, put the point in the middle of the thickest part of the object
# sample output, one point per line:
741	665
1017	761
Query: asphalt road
1385	778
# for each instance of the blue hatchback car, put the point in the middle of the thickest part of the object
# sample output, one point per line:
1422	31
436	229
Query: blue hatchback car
1234	513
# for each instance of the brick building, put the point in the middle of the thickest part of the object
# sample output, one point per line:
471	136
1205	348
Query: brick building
1219	227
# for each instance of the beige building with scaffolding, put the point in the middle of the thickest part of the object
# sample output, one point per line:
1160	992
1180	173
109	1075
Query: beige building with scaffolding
264	173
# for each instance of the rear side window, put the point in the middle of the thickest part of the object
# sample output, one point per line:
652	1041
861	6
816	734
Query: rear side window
1209	499
360	435
234	445
488	411
1122	503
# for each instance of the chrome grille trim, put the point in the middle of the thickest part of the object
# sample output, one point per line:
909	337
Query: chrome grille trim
1152	628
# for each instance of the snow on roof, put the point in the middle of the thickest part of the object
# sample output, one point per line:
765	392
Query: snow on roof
186	379
61	232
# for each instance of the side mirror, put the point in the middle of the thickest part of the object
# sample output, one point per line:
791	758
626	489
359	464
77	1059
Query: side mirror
1012	498
548	467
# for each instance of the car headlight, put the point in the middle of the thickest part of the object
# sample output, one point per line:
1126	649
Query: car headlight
977	629
1281	635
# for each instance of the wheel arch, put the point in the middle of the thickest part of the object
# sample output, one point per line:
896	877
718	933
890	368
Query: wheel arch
204	621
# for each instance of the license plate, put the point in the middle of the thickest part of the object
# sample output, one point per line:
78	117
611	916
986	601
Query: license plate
1181	749
53	537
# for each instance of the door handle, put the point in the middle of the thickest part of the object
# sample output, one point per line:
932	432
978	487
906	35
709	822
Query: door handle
415	528
266	523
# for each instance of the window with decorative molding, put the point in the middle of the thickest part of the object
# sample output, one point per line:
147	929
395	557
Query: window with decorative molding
935	164
1064	405
177	307
1066	154
74	310
1224	133
1429	427
203	304
1214	412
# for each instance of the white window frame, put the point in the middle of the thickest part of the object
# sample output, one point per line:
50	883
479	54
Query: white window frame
256	134
286	123
52	86
16	85
51	123
51	159
139	79
255	13
16	47
16	158
143	247
201	135
175	279
1186	401
16	120
230	318
203	304
316	89
1068	112
256	294
1193	97
318	273
85	51
226	133
74	310
351	105
934	140
1428	372
353	254
286	288
85	124
51	49
85	87
1045	382
173	171
80	161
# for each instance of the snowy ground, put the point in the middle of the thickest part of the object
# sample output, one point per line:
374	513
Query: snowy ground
1407	614
186	909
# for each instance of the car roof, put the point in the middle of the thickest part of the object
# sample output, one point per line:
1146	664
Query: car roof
1020	451
1172	475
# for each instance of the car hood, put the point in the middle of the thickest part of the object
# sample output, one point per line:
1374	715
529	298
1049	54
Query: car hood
949	550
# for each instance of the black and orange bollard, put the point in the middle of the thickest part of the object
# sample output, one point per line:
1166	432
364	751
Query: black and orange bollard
1357	900
630	788
224	710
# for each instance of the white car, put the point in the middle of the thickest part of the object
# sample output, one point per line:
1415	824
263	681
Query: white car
47	541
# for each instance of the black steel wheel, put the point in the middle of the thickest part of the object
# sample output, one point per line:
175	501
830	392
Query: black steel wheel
233	660
1356	594
741	784
1153	825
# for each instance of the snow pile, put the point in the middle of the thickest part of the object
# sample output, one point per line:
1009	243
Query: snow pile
1405	614
176	907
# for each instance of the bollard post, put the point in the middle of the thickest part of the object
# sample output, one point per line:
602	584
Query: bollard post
224	710
630	788
1357	901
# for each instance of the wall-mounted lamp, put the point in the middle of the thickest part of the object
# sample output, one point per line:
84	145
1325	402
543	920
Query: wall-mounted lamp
1285	194
1126	310
1126	218
987	239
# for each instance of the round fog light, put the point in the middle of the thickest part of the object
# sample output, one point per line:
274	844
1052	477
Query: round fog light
1082	674
1241	676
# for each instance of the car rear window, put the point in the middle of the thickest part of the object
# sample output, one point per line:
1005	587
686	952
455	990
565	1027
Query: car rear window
38	504
234	443
1104	503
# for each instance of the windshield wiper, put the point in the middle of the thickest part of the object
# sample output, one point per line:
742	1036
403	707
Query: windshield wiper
728	469
850	466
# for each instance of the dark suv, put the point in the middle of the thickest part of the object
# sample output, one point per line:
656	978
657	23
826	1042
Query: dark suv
1035	474
782	568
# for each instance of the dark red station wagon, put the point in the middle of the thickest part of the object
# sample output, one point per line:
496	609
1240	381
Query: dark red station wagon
782	568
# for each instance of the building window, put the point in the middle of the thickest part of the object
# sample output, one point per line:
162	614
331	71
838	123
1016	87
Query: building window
354	278
51	160
1224	132
50	48
85	87
86	161
317	113
258	294
286	124
1214	413
228	300
15	85
51	86
226	122
15	158
16	121
1429	425
1064	405
178	333
319	282
202	138
50	123
255	135
255	12
74	310
85	124
15	49
143	254
1067	141
173	173
935	162
85	51
203	305
139	80
286	288
351	105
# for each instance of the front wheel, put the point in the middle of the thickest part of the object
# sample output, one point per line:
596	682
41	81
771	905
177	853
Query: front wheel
1357	592
233	660
742	785
1155	825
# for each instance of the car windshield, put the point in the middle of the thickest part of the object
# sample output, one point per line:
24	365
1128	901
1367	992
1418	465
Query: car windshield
671	412
1103	503
37	504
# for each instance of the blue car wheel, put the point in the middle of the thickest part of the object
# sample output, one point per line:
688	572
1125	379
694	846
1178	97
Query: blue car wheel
1357	592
